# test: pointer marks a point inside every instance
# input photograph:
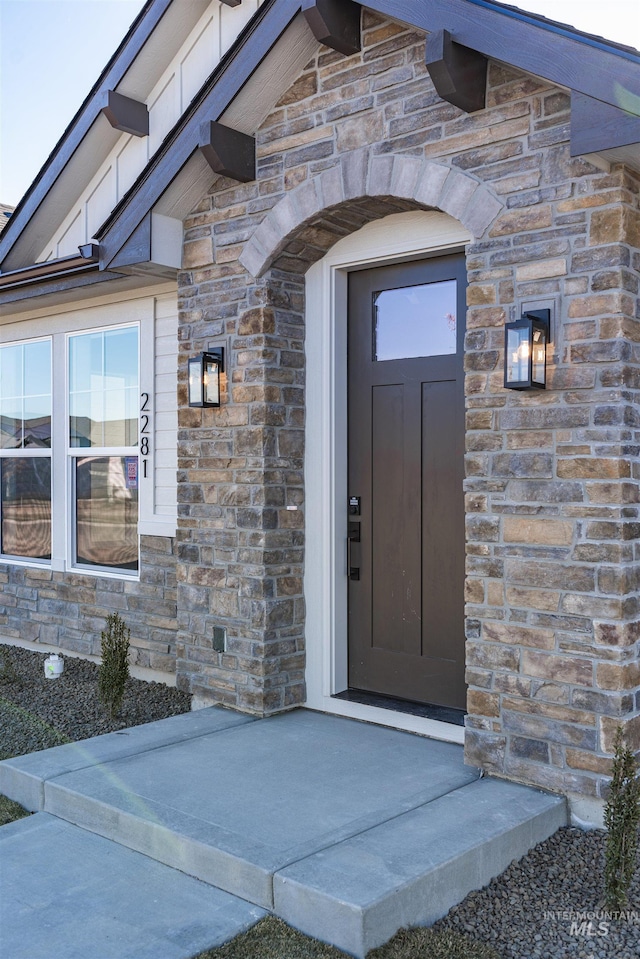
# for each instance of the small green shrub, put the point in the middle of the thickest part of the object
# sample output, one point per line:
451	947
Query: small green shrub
114	668
621	817
8	673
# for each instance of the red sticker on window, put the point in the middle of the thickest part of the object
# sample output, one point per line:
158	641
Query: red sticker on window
132	471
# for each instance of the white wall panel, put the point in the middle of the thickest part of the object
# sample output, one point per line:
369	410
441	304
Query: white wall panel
101	201
130	162
166	408
72	237
233	19
163	113
196	66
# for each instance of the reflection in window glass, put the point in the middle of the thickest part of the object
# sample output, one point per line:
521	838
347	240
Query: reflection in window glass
103	393
26	506
107	511
25	396
416	321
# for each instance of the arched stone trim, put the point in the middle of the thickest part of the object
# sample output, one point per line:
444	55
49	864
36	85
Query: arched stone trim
302	227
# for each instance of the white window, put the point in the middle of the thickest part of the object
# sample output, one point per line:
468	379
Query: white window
88	435
103	408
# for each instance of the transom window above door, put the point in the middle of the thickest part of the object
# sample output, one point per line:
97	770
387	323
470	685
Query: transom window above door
414	321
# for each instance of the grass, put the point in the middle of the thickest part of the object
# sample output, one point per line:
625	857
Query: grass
272	938
10	811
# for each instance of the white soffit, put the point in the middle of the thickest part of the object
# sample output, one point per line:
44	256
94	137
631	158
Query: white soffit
163	44
275	75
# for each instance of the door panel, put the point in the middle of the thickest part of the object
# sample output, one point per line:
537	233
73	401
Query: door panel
406	447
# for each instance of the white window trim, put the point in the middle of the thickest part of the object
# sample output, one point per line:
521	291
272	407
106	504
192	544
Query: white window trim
397	237
57	329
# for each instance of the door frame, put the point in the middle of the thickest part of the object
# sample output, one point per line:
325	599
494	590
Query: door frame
402	236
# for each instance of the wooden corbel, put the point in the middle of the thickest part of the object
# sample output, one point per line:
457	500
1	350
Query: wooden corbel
459	73
228	152
336	23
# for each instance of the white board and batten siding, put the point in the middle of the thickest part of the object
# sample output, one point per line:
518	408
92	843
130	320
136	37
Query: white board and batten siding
158	513
196	59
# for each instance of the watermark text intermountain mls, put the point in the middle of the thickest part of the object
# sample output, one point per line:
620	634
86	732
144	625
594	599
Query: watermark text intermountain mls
591	923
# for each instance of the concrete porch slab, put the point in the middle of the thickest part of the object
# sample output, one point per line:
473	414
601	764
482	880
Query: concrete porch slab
69	894
23	777
234	807
412	869
345	829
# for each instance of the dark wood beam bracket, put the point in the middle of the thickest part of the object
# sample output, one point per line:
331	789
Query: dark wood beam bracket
227	151
599	126
336	23
126	114
459	73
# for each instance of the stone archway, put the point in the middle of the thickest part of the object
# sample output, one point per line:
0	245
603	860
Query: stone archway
306	223
241	598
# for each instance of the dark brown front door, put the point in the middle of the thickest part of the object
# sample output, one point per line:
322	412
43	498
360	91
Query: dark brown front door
406	446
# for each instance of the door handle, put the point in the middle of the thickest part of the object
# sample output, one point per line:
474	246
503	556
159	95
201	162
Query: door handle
353	536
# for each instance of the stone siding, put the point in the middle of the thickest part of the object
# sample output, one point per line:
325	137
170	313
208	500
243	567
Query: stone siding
68	610
552	477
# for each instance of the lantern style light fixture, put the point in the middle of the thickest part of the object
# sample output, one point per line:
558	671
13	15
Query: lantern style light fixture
204	378
525	351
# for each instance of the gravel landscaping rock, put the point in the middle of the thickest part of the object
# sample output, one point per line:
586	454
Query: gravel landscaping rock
67	708
548	905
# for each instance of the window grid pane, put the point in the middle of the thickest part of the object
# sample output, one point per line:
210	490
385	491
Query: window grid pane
103	375
26	506
107	511
25	395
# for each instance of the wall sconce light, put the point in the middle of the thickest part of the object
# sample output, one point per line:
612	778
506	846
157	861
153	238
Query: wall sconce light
525	351
204	378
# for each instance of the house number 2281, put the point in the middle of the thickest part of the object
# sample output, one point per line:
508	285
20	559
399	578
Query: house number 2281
145	419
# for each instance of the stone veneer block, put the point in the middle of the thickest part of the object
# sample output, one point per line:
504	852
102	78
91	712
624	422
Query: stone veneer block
457	193
253	256
481	211
331	188
284	216
404	176
380	174
307	200
430	184
354	173
269	237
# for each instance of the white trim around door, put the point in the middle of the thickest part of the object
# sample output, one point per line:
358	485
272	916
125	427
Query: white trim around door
402	236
